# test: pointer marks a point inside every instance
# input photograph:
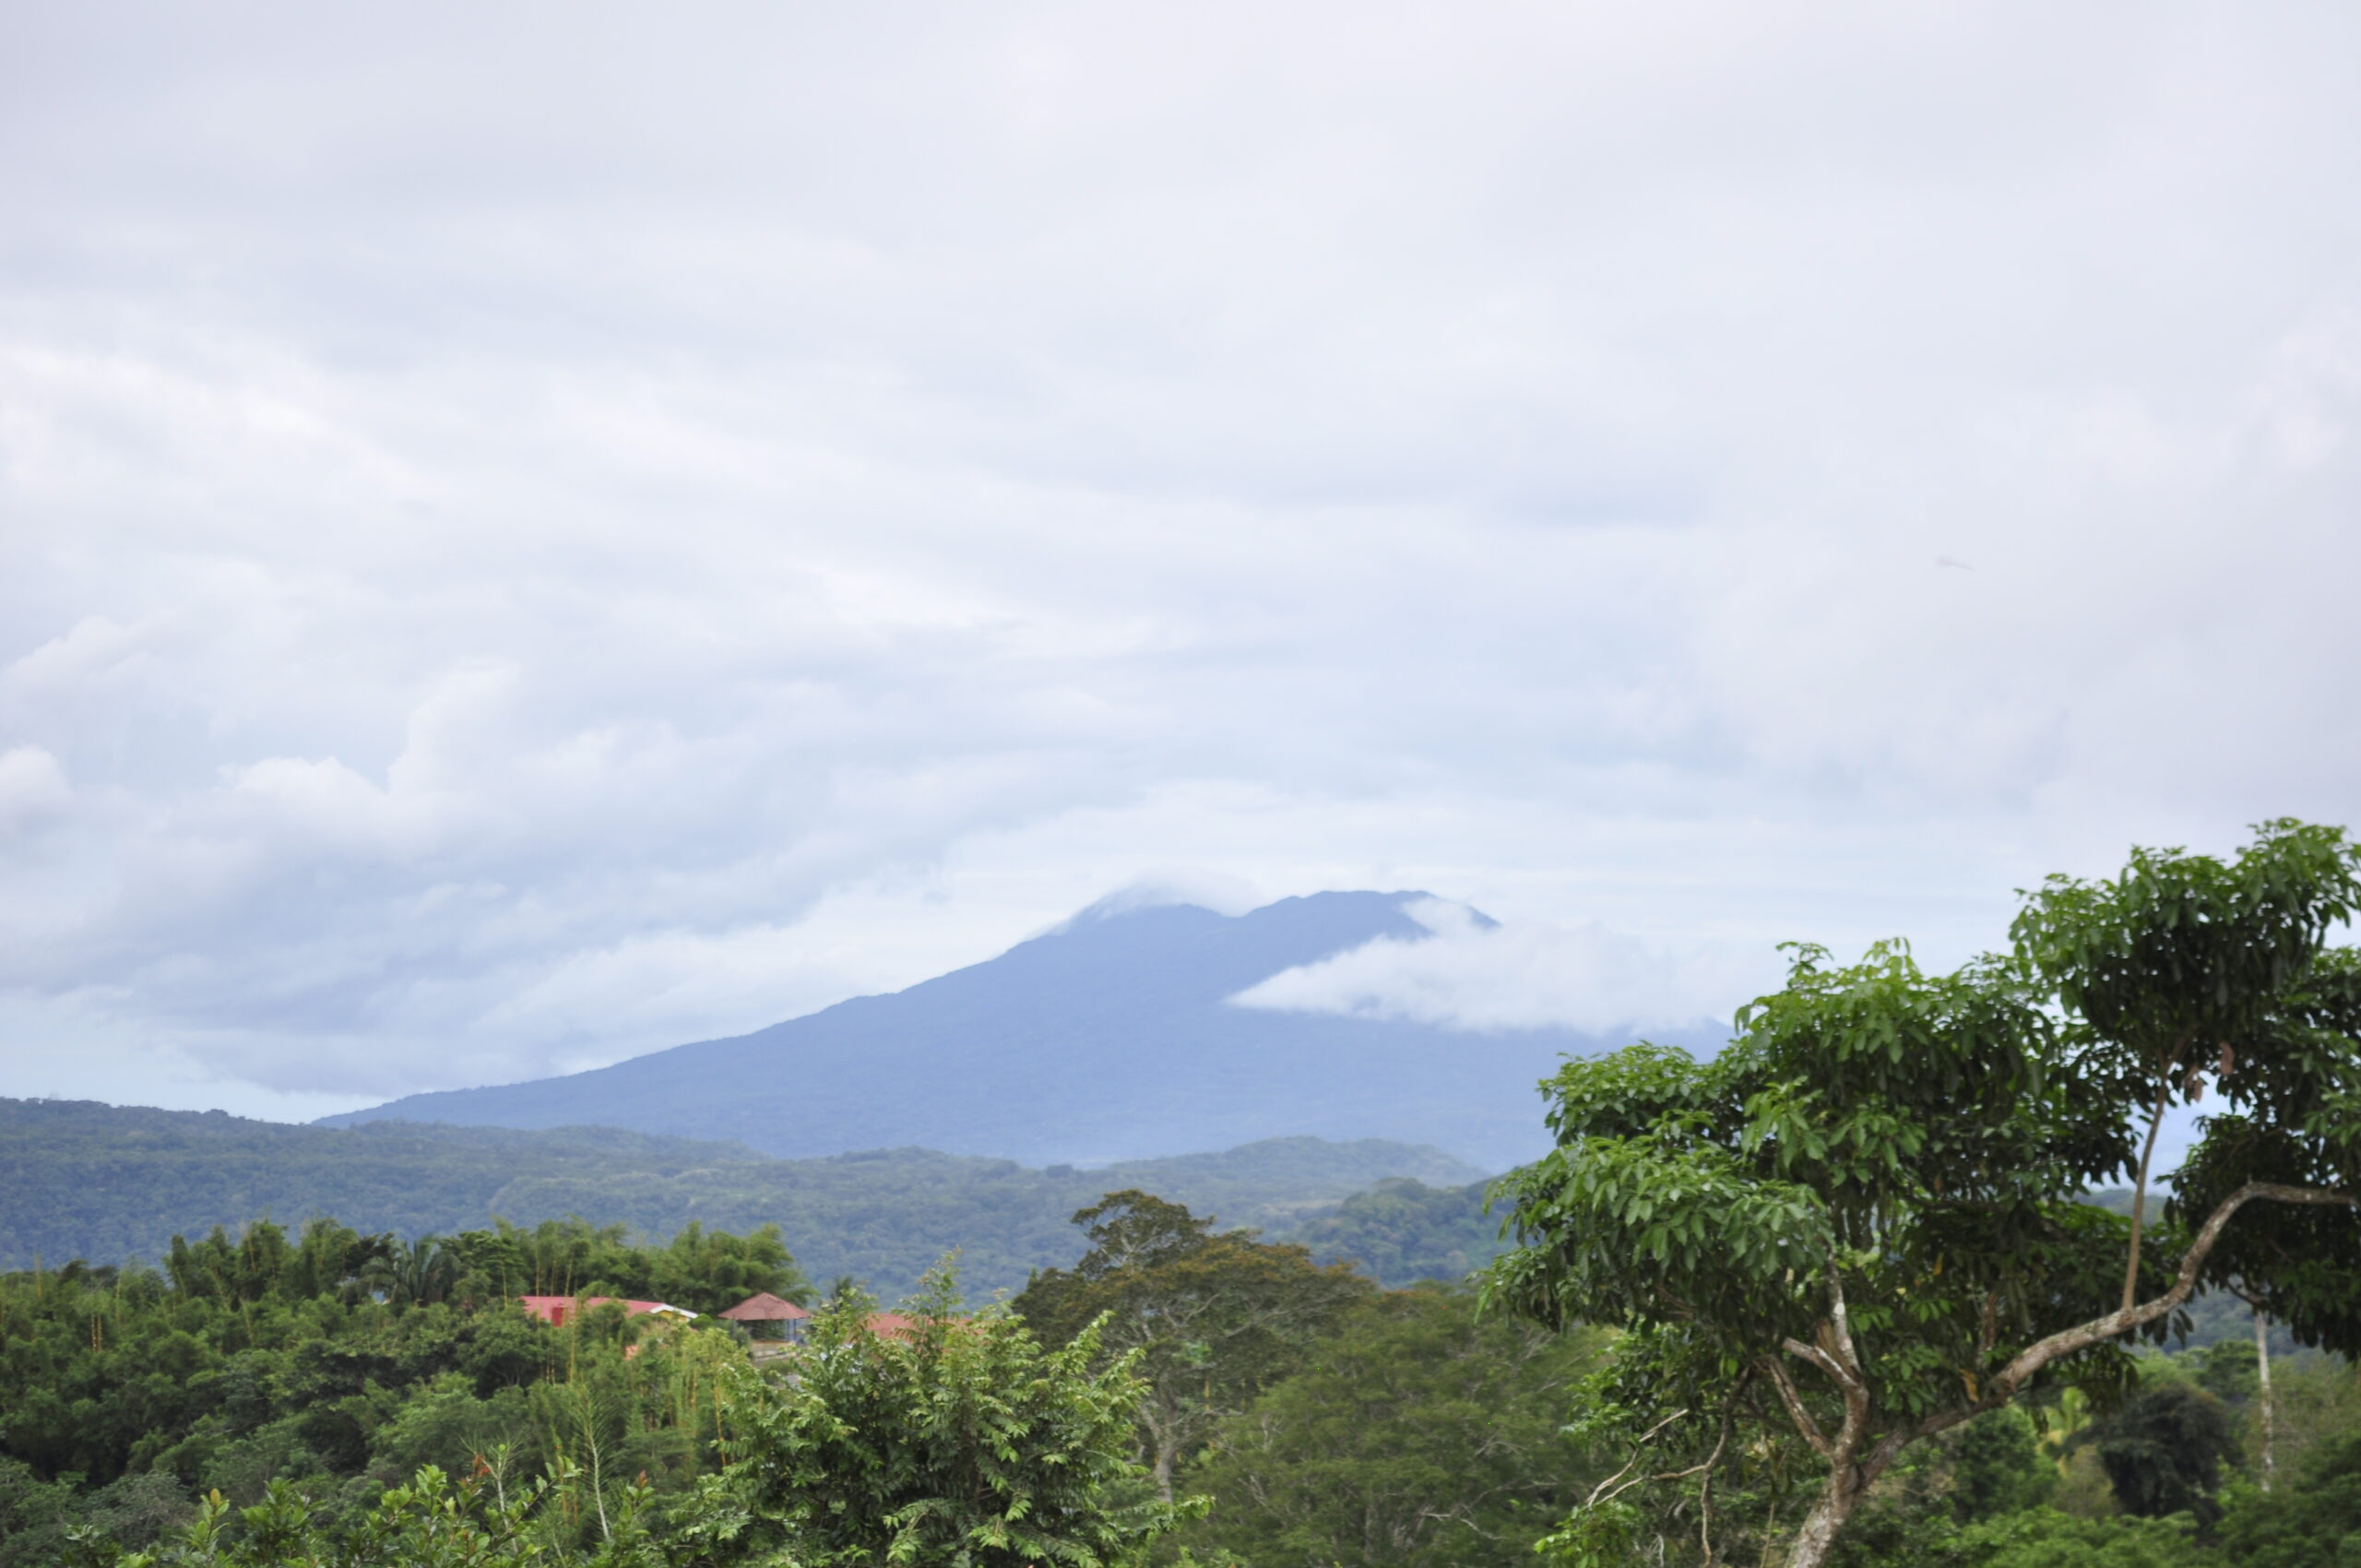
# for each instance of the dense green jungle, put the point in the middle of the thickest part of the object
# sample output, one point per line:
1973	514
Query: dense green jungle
283	1394
1896	1278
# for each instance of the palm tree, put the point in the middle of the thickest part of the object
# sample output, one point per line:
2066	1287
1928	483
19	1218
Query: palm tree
412	1273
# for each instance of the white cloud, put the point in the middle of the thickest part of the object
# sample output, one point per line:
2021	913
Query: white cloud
1470	976
32	787
1206	889
525	542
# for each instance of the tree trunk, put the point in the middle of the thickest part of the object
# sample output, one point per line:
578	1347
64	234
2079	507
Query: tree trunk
1165	1429
1850	1474
1821	1527
2139	1195
1162	1469
2263	1368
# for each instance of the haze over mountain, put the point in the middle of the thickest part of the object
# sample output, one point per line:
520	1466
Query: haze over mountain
1113	1037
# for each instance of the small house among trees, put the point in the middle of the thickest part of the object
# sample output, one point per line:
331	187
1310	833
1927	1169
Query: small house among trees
555	1310
769	1317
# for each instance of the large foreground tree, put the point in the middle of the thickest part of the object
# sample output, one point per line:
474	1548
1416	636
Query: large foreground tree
1864	1221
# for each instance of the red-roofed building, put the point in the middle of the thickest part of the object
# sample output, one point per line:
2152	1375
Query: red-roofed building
555	1310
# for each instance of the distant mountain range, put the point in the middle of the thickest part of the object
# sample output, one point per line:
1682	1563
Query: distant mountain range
107	1184
1112	1037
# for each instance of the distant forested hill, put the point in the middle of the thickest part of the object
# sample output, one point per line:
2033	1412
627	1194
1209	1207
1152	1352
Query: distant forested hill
103	1183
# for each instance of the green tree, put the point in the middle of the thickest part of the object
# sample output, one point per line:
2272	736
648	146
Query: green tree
1997	1467
2186	965
960	1440
429	1522
2043	1537
2163	1452
423	1270
2312	1520
1866	1215
707	1271
1212	1318
1418	1435
701	1270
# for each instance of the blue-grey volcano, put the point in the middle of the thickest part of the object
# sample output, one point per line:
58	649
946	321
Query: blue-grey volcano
1112	1037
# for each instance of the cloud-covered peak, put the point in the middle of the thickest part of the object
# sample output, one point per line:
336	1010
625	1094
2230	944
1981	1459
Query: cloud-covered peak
1201	889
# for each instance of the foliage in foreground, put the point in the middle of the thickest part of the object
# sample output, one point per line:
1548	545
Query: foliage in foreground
960	1440
946	1439
1862	1226
346	1362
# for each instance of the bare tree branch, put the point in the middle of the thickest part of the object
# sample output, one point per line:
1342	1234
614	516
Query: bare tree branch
1795	1404
2066	1342
1599	1492
1840	1322
1705	1490
1838	1373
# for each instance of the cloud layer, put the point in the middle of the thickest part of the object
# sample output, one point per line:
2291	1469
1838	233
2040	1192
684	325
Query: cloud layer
1471	976
529	535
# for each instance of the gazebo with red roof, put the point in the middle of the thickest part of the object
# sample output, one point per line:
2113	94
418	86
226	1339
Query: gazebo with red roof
764	1308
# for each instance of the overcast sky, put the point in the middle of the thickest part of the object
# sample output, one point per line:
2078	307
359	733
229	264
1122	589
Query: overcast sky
533	533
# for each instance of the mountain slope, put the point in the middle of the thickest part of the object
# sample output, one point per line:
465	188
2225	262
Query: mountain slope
1107	1038
108	1182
